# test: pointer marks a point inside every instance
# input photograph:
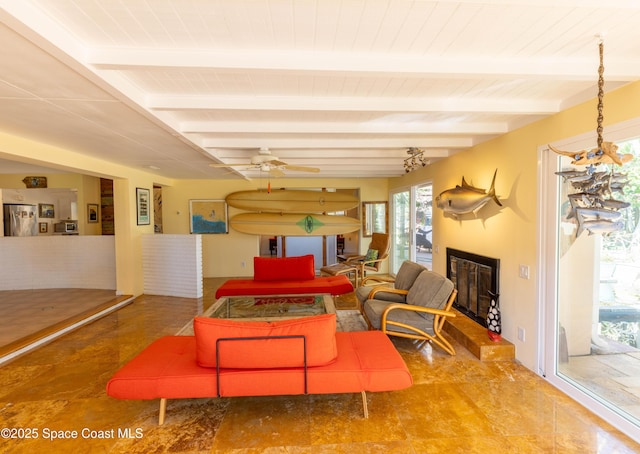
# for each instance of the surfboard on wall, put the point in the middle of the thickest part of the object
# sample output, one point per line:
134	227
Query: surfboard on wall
292	201
293	224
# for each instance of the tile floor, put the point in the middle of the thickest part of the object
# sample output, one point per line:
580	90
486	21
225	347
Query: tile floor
457	404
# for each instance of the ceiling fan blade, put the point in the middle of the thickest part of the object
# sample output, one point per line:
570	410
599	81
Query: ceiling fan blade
276	162
229	165
302	169
276	172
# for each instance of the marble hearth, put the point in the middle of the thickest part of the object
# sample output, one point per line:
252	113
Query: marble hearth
475	339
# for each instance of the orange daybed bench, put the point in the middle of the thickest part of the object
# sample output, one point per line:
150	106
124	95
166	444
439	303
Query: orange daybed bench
229	358
285	276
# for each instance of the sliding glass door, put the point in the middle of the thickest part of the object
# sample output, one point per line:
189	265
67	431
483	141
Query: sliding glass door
590	286
400	229
411	226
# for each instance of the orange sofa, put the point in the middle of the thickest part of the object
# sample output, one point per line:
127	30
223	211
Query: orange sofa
285	276
227	358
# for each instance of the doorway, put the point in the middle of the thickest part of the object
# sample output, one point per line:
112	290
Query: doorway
411	226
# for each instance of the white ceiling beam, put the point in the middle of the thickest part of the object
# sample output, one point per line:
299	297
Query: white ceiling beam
372	127
346	161
402	142
360	64
353	104
301	154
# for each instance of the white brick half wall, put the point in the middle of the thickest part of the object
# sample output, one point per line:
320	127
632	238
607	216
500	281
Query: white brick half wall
57	261
172	265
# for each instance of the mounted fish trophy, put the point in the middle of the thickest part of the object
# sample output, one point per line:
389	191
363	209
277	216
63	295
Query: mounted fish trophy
592	205
465	198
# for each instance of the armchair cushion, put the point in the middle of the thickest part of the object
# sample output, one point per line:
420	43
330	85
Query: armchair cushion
379	242
407	274
430	290
405	278
363	293
375	308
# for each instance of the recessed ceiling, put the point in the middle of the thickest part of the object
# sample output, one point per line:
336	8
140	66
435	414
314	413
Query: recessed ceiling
346	87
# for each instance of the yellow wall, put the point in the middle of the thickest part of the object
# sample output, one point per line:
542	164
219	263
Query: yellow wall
510	232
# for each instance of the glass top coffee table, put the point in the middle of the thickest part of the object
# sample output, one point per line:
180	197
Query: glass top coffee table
272	307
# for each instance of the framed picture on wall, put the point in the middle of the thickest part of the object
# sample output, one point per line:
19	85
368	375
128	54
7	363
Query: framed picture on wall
208	216
44	227
92	213
45	210
143	206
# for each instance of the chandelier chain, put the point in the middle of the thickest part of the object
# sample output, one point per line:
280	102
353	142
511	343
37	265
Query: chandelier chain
600	95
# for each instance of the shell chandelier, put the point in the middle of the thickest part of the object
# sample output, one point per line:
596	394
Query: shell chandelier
593	204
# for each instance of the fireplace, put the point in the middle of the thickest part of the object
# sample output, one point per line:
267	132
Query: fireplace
476	278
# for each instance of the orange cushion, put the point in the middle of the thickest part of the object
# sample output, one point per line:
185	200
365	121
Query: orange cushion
333	285
283	268
166	368
318	330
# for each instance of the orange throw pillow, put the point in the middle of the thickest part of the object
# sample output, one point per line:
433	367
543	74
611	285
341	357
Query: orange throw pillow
319	332
284	268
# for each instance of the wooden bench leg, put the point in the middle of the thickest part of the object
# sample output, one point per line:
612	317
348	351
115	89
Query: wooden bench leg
364	405
163	411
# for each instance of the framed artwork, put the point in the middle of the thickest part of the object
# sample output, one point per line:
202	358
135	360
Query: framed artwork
35	182
208	216
45	210
143	206
44	227
92	213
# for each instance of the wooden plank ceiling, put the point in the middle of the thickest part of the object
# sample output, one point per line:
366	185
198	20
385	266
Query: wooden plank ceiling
346	87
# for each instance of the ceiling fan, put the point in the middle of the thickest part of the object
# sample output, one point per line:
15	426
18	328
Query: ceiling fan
265	162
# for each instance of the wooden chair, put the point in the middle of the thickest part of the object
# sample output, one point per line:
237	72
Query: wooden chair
422	316
380	244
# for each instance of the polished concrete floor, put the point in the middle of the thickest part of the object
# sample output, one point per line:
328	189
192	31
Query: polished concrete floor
457	404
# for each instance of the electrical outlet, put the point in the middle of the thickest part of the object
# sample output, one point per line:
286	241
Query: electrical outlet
243	264
524	271
521	334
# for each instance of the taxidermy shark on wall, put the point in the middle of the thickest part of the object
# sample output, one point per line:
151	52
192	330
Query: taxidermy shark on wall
465	198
